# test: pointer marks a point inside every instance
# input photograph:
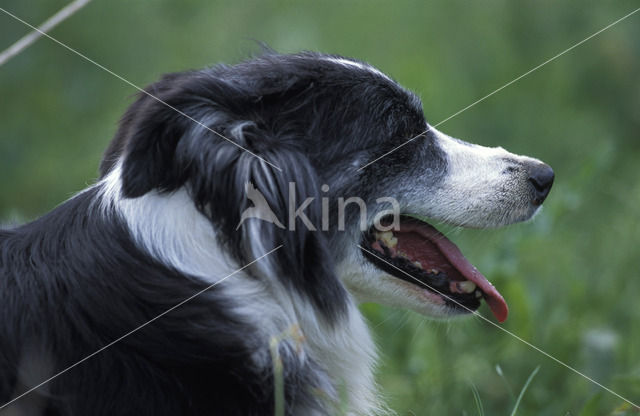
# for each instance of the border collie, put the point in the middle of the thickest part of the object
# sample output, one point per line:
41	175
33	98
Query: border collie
165	222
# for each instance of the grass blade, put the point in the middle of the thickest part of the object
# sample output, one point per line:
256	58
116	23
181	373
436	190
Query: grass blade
476	398
524	388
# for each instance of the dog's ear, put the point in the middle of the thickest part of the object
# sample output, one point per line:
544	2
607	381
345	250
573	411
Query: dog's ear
206	134
172	108
265	199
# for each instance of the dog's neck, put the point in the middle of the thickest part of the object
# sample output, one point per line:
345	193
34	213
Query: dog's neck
171	230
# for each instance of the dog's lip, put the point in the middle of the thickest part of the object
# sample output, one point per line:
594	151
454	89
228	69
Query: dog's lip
494	299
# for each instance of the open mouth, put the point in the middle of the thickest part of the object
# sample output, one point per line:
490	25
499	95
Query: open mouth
419	254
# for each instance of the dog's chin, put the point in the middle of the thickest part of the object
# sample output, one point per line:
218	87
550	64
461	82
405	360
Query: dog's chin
396	293
416	267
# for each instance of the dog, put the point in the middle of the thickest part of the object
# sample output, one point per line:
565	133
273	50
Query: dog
150	293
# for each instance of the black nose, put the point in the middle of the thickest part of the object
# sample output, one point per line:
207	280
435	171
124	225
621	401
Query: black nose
541	177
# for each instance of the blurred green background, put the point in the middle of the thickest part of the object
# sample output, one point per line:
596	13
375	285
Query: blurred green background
571	276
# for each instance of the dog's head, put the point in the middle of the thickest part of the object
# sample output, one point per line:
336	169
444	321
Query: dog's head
297	134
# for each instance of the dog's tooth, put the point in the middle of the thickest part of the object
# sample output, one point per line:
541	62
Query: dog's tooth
478	294
388	239
466	286
417	264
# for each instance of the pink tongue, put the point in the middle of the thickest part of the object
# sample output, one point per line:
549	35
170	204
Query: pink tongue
452	253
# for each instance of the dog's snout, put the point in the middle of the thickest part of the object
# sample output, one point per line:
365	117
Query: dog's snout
541	177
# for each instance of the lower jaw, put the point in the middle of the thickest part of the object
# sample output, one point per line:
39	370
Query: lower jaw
432	298
396	293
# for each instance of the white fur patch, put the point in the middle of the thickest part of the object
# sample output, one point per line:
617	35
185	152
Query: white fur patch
170	228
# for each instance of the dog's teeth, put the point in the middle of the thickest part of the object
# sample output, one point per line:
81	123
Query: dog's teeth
466	286
417	264
388	239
